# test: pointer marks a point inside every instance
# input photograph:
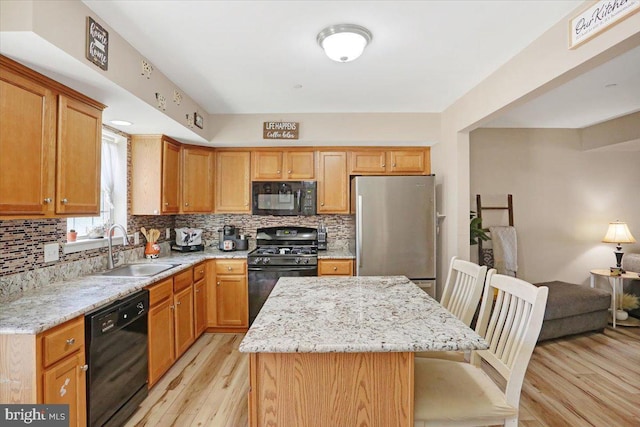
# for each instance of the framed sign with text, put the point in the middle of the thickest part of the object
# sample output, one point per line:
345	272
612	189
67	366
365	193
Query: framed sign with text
280	130
97	44
597	18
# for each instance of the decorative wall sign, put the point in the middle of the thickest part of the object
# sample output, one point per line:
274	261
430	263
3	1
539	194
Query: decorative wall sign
280	130
198	120
598	18
97	44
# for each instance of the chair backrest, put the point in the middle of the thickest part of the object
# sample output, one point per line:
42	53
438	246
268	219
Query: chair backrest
463	289
511	325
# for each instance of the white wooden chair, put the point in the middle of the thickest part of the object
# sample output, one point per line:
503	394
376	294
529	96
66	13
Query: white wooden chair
461	295
449	393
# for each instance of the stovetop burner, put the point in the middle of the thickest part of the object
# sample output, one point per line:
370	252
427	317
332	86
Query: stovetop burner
285	246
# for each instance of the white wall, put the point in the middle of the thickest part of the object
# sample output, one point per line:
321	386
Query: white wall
563	197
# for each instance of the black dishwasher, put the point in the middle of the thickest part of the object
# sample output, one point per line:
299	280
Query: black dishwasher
116	350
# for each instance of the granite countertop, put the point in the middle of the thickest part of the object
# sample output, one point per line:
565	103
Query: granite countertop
355	314
51	305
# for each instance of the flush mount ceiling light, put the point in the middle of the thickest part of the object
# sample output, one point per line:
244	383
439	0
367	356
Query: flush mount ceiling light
120	123
344	42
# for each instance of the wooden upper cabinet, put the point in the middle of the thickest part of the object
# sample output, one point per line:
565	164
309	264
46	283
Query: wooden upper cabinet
50	141
282	165
408	161
78	158
333	182
383	161
364	162
233	184
27	152
197	179
155	175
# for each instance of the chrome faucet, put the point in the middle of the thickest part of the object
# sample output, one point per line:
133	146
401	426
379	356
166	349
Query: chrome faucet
110	258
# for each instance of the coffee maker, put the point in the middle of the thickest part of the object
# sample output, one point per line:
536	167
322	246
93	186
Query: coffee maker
227	238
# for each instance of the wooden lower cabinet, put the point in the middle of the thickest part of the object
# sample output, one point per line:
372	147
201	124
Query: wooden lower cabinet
227	295
331	389
335	267
184	327
200	307
47	368
65	383
171	322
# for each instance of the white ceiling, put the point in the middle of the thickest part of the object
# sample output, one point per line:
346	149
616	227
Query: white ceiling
240	57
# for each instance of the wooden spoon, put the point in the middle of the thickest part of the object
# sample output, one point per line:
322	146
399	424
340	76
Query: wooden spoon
144	233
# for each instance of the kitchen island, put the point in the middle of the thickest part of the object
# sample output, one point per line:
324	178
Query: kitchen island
339	351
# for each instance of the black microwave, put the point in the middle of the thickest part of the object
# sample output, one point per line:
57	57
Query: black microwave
283	197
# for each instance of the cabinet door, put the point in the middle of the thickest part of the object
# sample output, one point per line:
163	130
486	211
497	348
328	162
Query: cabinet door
233	184
232	301
26	168
185	335
406	161
161	339
200	307
78	157
365	162
65	383
333	182
197	185
170	177
266	165
299	164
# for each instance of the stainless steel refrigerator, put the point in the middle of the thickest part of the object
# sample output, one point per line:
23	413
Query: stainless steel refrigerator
396	227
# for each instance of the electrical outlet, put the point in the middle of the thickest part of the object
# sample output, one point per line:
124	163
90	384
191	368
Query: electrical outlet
51	252
136	238
167	233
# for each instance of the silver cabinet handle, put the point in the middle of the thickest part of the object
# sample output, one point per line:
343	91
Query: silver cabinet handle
278	172
394	165
197	290
384	165
71	341
64	201
289	172
84	368
166	203
172	307
335	268
186	203
229	268
178	303
47	200
321	203
218	283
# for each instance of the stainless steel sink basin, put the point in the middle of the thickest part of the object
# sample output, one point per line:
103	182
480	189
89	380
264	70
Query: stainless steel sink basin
138	270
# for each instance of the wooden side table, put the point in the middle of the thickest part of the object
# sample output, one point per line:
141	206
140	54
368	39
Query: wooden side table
616	286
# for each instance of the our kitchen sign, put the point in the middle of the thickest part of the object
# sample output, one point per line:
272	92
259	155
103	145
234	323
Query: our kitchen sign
280	130
598	18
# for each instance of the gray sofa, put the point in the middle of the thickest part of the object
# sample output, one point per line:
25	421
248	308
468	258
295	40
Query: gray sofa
631	262
573	309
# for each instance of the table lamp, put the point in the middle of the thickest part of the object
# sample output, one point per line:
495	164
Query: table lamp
618	233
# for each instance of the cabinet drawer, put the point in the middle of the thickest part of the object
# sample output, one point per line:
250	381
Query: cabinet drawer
231	266
199	272
182	280
63	340
335	267
160	291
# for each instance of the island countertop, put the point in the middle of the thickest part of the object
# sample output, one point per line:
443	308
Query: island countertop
352	315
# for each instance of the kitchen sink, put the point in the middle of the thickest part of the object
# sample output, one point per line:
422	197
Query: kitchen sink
138	270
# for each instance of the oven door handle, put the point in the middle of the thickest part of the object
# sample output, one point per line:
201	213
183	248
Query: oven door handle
283	268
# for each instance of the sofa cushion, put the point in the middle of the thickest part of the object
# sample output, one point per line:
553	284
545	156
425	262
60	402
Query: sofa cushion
567	299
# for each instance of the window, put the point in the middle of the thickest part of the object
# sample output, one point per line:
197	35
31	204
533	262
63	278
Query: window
113	194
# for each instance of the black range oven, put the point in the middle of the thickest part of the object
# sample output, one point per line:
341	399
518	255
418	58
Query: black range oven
280	252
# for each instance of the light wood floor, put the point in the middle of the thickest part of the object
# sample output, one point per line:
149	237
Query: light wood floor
585	380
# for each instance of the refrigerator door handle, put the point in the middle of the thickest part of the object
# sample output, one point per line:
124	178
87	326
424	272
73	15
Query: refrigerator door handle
359	228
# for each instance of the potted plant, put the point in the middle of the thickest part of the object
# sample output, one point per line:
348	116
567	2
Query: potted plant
476	232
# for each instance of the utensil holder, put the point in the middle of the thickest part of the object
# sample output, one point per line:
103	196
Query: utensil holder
151	250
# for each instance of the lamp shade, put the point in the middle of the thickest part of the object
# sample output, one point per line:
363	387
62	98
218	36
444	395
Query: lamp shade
618	232
344	42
